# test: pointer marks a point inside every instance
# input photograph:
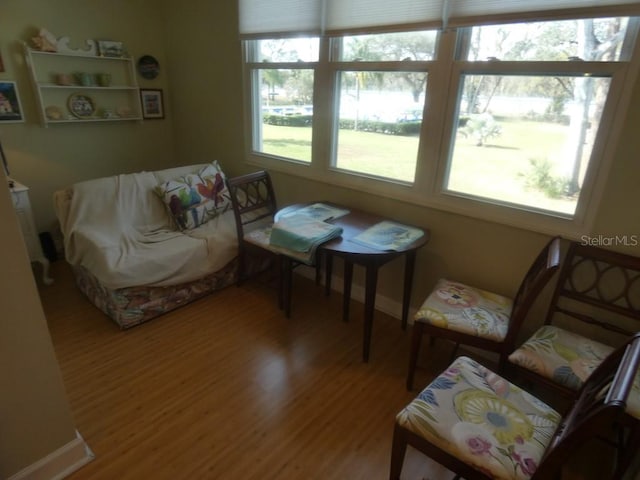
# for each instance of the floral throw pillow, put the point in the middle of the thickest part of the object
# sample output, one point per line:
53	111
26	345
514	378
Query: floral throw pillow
196	198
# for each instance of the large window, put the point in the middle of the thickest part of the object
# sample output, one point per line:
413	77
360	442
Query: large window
505	121
379	118
527	121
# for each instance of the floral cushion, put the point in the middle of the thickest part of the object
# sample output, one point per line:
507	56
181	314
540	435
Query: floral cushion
568	359
466	309
564	357
482	419
196	198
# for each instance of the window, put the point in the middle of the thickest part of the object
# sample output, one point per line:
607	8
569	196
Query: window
508	121
379	118
525	130
282	85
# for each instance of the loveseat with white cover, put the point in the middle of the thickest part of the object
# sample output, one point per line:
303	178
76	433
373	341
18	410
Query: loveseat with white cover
142	244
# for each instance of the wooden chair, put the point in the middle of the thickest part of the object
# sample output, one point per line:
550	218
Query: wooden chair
480	426
597	297
482	319
254	205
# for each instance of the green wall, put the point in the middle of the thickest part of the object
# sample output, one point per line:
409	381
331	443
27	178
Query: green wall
47	159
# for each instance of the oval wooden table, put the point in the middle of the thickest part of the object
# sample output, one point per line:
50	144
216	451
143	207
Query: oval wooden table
353	224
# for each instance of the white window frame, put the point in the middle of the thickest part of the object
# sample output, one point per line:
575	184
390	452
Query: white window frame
444	74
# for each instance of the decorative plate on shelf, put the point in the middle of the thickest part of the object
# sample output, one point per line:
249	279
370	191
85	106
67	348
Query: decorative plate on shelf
81	105
148	67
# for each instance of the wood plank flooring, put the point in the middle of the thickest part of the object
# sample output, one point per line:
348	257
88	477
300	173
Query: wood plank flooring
228	388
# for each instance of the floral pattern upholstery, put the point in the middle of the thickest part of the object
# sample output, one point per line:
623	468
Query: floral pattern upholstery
480	418
568	359
466	309
134	305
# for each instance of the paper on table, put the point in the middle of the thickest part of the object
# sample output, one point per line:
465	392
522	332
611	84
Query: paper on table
319	211
388	236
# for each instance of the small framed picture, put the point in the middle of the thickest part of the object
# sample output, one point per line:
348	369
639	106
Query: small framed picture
107	48
10	108
152	106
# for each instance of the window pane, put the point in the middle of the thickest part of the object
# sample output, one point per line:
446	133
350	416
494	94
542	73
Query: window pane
288	50
599	39
526	140
285	113
379	123
389	47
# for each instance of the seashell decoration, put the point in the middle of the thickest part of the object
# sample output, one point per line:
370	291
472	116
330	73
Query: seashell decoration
45	41
63	47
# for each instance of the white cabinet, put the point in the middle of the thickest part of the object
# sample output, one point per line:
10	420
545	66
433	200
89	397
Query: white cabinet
22	206
74	88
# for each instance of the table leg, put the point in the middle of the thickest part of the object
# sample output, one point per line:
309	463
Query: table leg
279	270
346	290
369	308
409	266
328	272
318	262
287	274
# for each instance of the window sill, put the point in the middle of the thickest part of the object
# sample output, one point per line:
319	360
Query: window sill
513	216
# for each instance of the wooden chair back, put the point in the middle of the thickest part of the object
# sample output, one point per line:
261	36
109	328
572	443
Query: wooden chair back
536	278
600	288
254	205
253	199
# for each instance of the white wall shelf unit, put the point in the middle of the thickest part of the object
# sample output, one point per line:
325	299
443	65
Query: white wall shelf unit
117	101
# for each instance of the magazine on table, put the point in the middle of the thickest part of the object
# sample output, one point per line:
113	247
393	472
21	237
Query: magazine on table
319	211
388	235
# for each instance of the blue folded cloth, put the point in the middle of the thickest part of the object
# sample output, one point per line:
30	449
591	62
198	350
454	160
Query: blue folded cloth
301	233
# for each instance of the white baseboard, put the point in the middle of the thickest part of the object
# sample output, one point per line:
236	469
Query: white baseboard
59	463
385	304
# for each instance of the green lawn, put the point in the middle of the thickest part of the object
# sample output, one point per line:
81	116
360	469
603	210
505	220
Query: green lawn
290	142
498	170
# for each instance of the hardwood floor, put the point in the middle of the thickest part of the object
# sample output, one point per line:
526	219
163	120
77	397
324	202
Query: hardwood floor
227	388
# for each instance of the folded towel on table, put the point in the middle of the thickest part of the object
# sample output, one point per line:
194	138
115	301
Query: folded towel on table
302	234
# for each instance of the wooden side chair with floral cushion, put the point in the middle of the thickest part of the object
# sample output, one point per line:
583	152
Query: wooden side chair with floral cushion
472	316
480	426
597	296
595	307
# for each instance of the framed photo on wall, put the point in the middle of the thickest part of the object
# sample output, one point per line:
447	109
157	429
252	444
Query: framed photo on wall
10	108
152	106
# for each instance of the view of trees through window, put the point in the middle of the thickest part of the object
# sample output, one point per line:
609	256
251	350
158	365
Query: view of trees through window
528	139
528	106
